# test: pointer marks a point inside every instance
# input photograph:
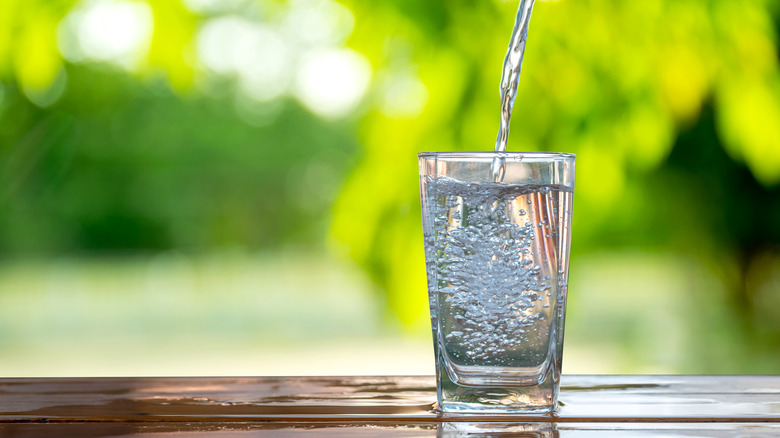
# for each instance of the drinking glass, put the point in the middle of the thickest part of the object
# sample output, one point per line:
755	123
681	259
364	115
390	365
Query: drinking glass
497	229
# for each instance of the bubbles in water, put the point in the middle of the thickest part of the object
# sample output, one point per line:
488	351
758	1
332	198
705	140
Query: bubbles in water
495	277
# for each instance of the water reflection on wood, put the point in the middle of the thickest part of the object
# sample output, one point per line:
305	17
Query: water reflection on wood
398	406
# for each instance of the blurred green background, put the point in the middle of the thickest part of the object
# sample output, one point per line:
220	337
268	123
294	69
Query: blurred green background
230	186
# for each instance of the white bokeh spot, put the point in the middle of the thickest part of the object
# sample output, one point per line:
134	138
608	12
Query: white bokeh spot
216	41
254	53
403	96
261	59
332	82
114	31
318	23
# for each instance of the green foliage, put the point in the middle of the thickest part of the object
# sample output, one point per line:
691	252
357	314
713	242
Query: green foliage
29	43
119	166
672	107
615	83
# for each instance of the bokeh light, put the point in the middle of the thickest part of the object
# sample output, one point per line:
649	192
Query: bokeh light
113	31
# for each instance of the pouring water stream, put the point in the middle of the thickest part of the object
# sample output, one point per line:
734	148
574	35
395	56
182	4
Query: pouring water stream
513	62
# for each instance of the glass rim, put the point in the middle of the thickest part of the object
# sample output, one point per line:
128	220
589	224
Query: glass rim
506	154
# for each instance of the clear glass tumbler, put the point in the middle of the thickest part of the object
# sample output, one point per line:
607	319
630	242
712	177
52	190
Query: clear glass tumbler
497	229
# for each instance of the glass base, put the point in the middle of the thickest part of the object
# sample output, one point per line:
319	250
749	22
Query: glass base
540	398
497	429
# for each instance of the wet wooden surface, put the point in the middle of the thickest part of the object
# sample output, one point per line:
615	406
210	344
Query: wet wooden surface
376	406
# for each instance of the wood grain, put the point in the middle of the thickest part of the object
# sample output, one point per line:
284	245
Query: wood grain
397	405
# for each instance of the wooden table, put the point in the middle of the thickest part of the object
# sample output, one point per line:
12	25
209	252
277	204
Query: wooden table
591	406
